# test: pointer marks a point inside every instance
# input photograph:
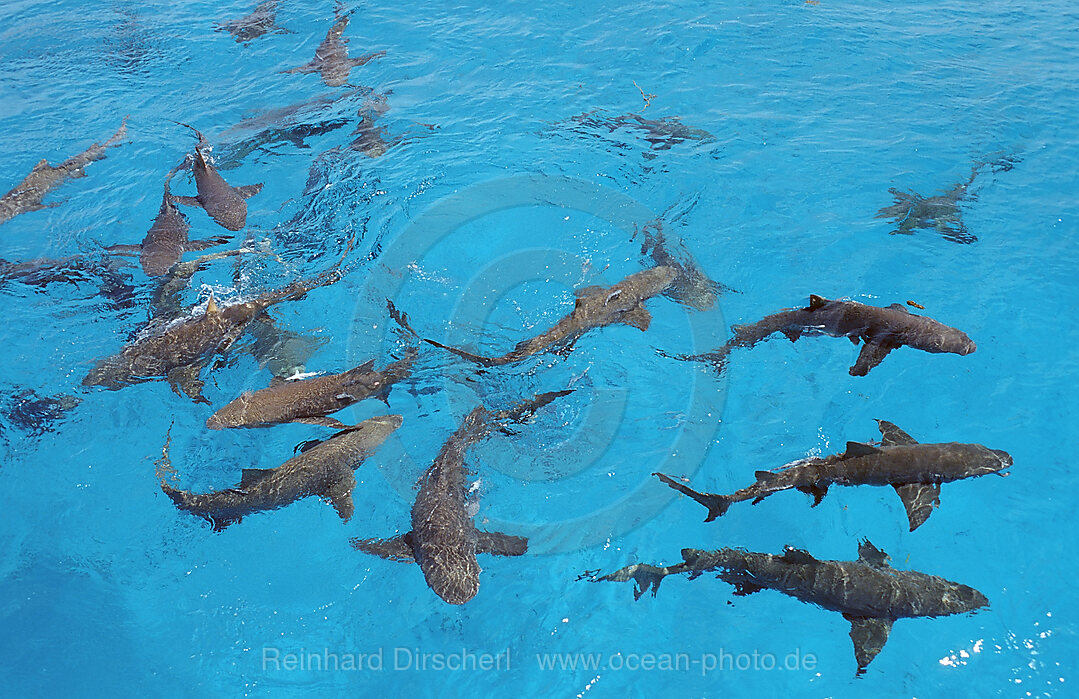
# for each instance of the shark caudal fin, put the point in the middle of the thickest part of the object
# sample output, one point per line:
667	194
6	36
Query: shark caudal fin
717	504
484	361
525	409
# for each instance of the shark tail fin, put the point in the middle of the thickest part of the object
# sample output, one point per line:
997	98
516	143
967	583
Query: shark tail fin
527	408
717	504
484	361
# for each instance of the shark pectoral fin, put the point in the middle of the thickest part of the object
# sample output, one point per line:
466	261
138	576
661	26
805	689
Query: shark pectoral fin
799	556
818	492
187	201
339	494
124	249
251	476
859	449
322	422
186	379
893	436
637	317
869	635
398	548
872	354
742	589
204	243
765	476
499	544
366	58
871	555
249	190
919	499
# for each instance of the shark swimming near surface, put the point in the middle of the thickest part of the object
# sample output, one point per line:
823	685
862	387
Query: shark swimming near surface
868	592
224	203
261	20
29	194
881	329
660	134
311	401
691	286
444	540
916	471
331	59
177	349
595	307
325	470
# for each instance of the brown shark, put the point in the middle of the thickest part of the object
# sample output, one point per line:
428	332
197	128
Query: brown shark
29	194
261	20
331	59
312	400
444	540
916	471
596	307
224	203
178	349
166	241
691	286
325	470
881	329
869	593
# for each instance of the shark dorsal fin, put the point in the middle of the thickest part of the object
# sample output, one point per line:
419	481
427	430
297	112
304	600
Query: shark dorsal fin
499	544
793	555
899	307
251	476
277	381
859	449
765	476
816	302
871	555
211	306
637	317
366	366
869	635
919	499
892	436
586	291
398	548
817	491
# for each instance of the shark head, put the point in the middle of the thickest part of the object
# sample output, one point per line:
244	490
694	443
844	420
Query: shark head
951	340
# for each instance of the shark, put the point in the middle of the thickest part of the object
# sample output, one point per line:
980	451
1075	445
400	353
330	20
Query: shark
691	286
660	134
310	401
881	329
595	307
868	592
295	134
916	471
29	194
940	212
224	203
331	59
444	540
112	283
178	349
261	20
166	241
325	470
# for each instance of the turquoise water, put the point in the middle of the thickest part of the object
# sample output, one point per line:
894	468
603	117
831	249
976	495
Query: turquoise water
489	205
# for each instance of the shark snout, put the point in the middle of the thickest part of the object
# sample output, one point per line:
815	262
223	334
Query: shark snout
967	347
1005	457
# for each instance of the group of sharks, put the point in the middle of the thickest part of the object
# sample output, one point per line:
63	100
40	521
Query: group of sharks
180	342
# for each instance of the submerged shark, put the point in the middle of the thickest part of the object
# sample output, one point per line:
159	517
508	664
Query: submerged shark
916	471
881	329
261	20
596	307
331	59
295	134
178	349
224	203
869	593
691	286
444	540
325	470
111	282
166	241
28	194
310	401
660	134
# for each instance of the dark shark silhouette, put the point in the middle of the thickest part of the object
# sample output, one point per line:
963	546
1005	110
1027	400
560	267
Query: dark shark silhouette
28	195
35	414
112	283
166	241
596	307
310	401
444	540
691	286
325	470
916	471
178	349
660	134
881	329
940	212
294	134
331	59
261	20
869	593
224	203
